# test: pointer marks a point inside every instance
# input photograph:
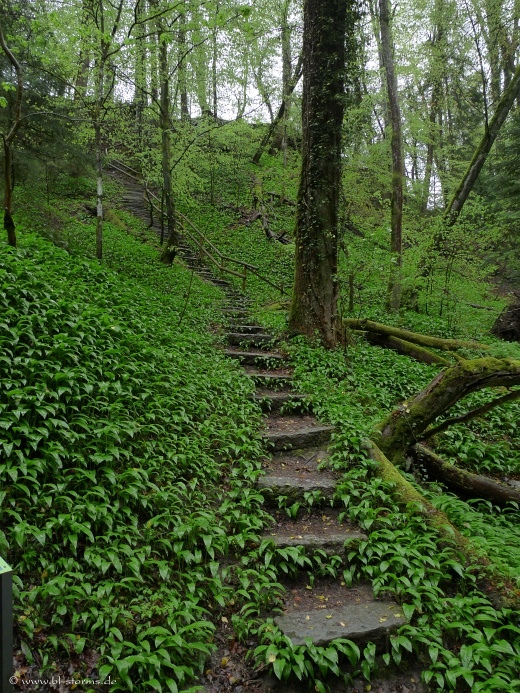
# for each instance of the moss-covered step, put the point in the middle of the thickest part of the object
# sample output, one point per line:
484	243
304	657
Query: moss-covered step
294	488
244	338
256	358
333	541
271	400
247	329
289	432
370	621
275	381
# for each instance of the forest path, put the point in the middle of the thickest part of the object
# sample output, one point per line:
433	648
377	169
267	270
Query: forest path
300	495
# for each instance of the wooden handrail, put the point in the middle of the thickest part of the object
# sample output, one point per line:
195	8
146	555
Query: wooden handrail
202	238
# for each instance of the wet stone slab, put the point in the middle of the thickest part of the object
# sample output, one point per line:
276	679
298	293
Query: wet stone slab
336	542
361	623
294	488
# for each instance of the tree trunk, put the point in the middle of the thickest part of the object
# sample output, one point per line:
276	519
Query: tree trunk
499	588
465	186
281	111
414	337
469	484
183	88
315	294
99	186
8	138
409	422
172	242
396	243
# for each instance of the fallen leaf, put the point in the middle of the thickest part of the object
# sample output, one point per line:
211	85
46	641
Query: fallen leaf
224	619
224	661
342	624
330	616
307	618
382	619
308	587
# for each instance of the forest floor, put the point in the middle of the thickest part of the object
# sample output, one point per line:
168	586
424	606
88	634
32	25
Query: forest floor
226	522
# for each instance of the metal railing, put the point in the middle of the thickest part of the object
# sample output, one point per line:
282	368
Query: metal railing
196	236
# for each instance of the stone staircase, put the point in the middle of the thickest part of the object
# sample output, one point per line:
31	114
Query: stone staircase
296	444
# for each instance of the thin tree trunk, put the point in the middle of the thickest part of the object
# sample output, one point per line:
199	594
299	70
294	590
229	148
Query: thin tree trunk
214	63
98	135
465	186
394	289
9	225
274	125
315	295
183	88
172	240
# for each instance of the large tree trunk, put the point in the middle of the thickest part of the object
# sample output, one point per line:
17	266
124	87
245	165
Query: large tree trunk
396	223
8	138
409	422
315	296
479	157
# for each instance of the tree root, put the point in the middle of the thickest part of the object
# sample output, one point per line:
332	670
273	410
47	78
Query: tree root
497	586
470	484
414	337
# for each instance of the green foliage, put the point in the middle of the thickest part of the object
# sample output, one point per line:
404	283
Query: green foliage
116	422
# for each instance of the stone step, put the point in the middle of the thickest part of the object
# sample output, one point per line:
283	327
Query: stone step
233	310
274	401
295	488
256	358
255	340
306	437
366	622
333	542
272	380
247	329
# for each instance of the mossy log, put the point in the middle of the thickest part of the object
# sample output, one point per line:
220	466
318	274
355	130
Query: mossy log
497	586
414	351
414	337
406	425
470	484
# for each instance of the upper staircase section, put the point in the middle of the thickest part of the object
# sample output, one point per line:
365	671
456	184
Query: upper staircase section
141	194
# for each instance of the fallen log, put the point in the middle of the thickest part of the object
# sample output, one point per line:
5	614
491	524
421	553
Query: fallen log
497	586
407	424
470	484
414	337
414	351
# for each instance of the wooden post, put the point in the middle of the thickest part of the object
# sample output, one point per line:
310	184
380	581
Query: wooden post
6	627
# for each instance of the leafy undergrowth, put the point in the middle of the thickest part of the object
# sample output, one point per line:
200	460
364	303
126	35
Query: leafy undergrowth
128	450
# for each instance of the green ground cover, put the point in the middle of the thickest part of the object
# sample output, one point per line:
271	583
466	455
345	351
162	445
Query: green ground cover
128	465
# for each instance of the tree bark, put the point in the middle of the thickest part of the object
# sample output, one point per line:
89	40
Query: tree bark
315	294
7	138
465	186
407	424
396	144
